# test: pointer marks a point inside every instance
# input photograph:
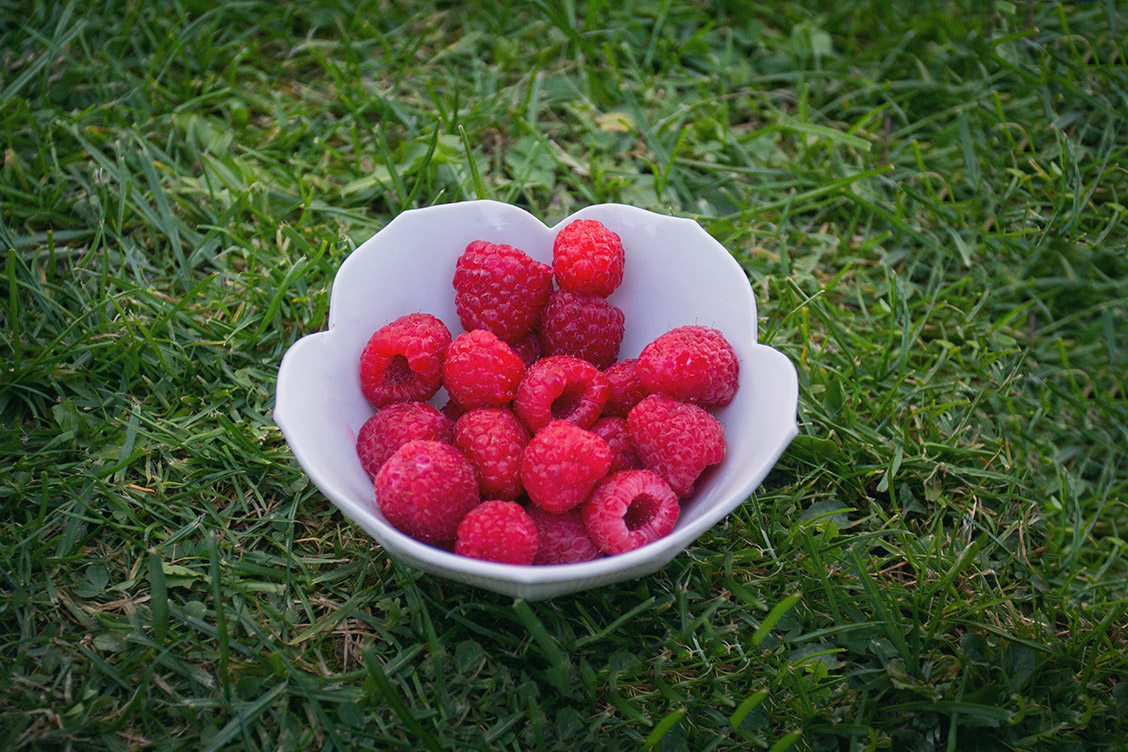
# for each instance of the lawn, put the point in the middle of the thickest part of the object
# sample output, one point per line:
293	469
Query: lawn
929	200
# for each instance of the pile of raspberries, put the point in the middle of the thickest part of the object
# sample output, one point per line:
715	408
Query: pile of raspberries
549	450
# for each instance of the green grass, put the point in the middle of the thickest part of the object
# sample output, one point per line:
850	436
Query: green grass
931	206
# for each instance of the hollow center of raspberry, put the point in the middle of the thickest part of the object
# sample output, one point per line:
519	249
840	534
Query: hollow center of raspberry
567	403
398	371
640	512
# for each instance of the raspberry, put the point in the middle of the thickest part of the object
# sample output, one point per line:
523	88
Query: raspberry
614	432
499	288
588	258
425	489
628	510
493	438
583	326
403	360
498	531
676	440
561	464
691	363
452	410
625	390
481	371
560	387
395	425
528	348
563	537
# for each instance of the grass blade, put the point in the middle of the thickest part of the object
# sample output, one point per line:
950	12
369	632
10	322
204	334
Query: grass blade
749	704
787	741
158	598
475	176
662	728
777	612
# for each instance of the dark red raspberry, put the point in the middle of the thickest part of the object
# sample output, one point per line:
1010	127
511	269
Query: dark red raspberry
676	440
528	348
583	326
481	371
425	489
614	431
499	288
403	360
560	387
452	410
561	464
395	425
628	510
493	438
588	258
498	531
691	363
625	391
563	537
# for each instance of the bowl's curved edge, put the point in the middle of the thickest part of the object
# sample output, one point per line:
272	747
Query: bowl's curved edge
564	584
285	388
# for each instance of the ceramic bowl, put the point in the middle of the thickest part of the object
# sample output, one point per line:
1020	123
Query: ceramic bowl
676	274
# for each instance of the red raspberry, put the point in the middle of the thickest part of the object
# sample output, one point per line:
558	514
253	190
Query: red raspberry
403	360
583	326
499	288
481	371
561	464
625	390
563	537
676	440
425	489
560	387
614	432
628	510
498	531
395	425
588	258
528	348
691	363
493	438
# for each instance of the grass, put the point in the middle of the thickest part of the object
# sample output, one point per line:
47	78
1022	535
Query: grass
930	205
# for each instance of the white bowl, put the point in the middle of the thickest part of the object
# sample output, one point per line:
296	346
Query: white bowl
676	274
